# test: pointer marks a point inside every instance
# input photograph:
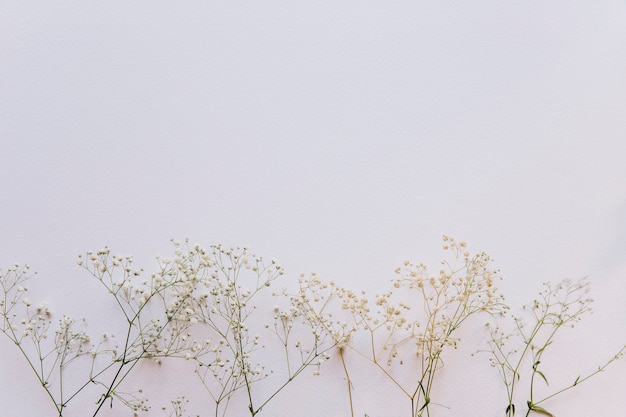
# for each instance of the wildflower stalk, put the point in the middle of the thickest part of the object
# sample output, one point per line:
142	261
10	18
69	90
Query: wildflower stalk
202	306
234	281
52	358
463	288
558	306
141	341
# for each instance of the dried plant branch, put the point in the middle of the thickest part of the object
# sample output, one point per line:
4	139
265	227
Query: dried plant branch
556	308
207	306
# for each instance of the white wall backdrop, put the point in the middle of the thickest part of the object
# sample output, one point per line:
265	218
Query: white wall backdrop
338	137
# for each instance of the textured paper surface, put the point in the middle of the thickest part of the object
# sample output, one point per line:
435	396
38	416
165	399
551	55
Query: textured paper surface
338	137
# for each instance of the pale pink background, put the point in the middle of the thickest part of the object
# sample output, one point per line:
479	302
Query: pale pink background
337	136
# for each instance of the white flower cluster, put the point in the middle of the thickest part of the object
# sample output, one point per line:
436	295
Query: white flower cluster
202	306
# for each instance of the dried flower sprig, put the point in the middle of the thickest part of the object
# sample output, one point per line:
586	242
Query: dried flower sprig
202	305
220	311
557	307
420	329
52	354
177	407
48	352
464	286
230	283
154	310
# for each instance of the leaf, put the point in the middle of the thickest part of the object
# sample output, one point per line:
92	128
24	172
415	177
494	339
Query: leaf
535	366
426	402
538	409
510	407
576	382
543	376
540	351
